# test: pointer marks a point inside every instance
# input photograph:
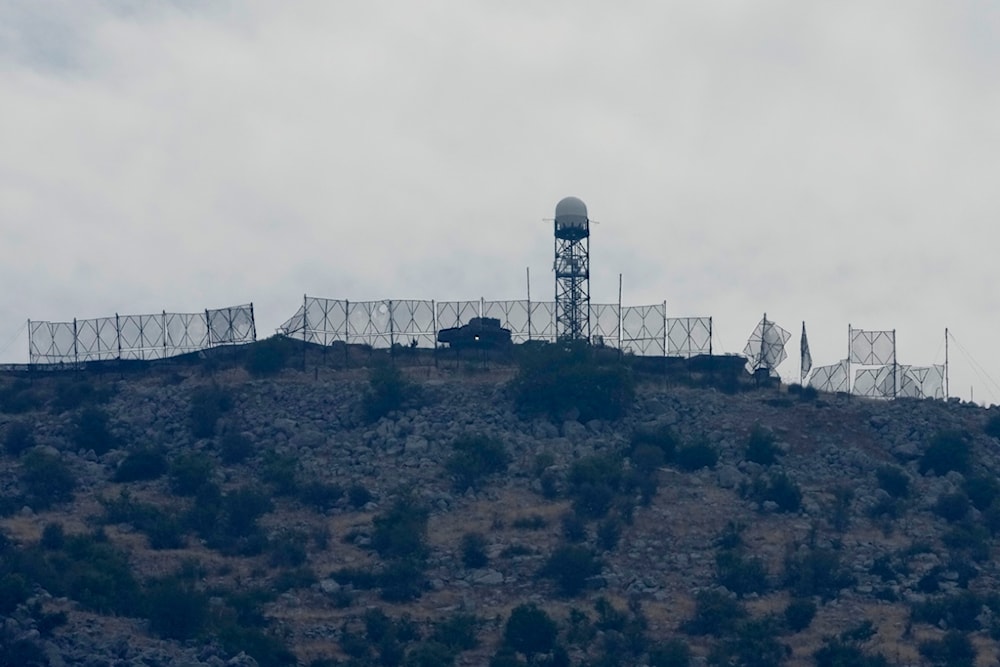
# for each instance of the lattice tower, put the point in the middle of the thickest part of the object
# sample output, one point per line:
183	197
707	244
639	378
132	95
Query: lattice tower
572	268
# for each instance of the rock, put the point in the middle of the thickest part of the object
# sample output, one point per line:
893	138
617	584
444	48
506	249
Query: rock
574	430
329	586
241	660
415	444
487	577
729	476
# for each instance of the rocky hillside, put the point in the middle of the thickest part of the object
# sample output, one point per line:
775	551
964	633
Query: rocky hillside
205	515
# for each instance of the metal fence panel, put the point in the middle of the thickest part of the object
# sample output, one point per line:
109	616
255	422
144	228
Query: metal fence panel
643	330
689	336
413	320
605	324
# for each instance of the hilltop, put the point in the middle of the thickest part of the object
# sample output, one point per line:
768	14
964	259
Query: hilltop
319	512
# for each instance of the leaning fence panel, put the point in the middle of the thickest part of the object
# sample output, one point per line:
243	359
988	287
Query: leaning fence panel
138	337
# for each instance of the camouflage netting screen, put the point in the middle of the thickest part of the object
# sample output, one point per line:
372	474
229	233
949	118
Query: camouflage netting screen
906	382
643	330
765	348
872	348
833	378
141	337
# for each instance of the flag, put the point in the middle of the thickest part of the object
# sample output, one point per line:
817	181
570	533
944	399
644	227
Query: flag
807	360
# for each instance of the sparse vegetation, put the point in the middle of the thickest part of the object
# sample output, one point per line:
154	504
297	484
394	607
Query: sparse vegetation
387	391
761	446
572	381
474	458
214	544
947	451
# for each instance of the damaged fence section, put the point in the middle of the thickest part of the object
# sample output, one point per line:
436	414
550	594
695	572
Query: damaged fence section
139	337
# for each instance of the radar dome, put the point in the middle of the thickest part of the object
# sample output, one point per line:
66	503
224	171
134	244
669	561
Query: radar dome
571	212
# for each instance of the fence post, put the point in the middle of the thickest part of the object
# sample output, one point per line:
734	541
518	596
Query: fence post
666	339
164	334
118	336
76	350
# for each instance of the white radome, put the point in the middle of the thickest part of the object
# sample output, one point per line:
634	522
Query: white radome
571	212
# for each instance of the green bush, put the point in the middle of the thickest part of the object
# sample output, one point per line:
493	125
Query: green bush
530	522
20	397
235	447
530	631
268	357
778	488
401	531
475	457
715	614
18	438
474	550
281	472
647	458
91	431
847	649
47	480
142	464
960	611
430	654
74	393
816	571
175	609
570	566
566	381
14	590
609	532
955	649
740	574
189	472
207	405
457	632
387	391
671	653
799	614
94	573
761	446
242	508
893	480
574	527
982	490
594	482
992	427
696	456
21	651
321	496
660	437
53	536
947	451
288	548
840	512
952	506
401	580
754	641
358	496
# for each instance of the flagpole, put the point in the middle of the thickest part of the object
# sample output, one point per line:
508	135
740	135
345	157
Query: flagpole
946	388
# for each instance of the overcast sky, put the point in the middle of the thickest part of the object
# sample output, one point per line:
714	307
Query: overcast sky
833	163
